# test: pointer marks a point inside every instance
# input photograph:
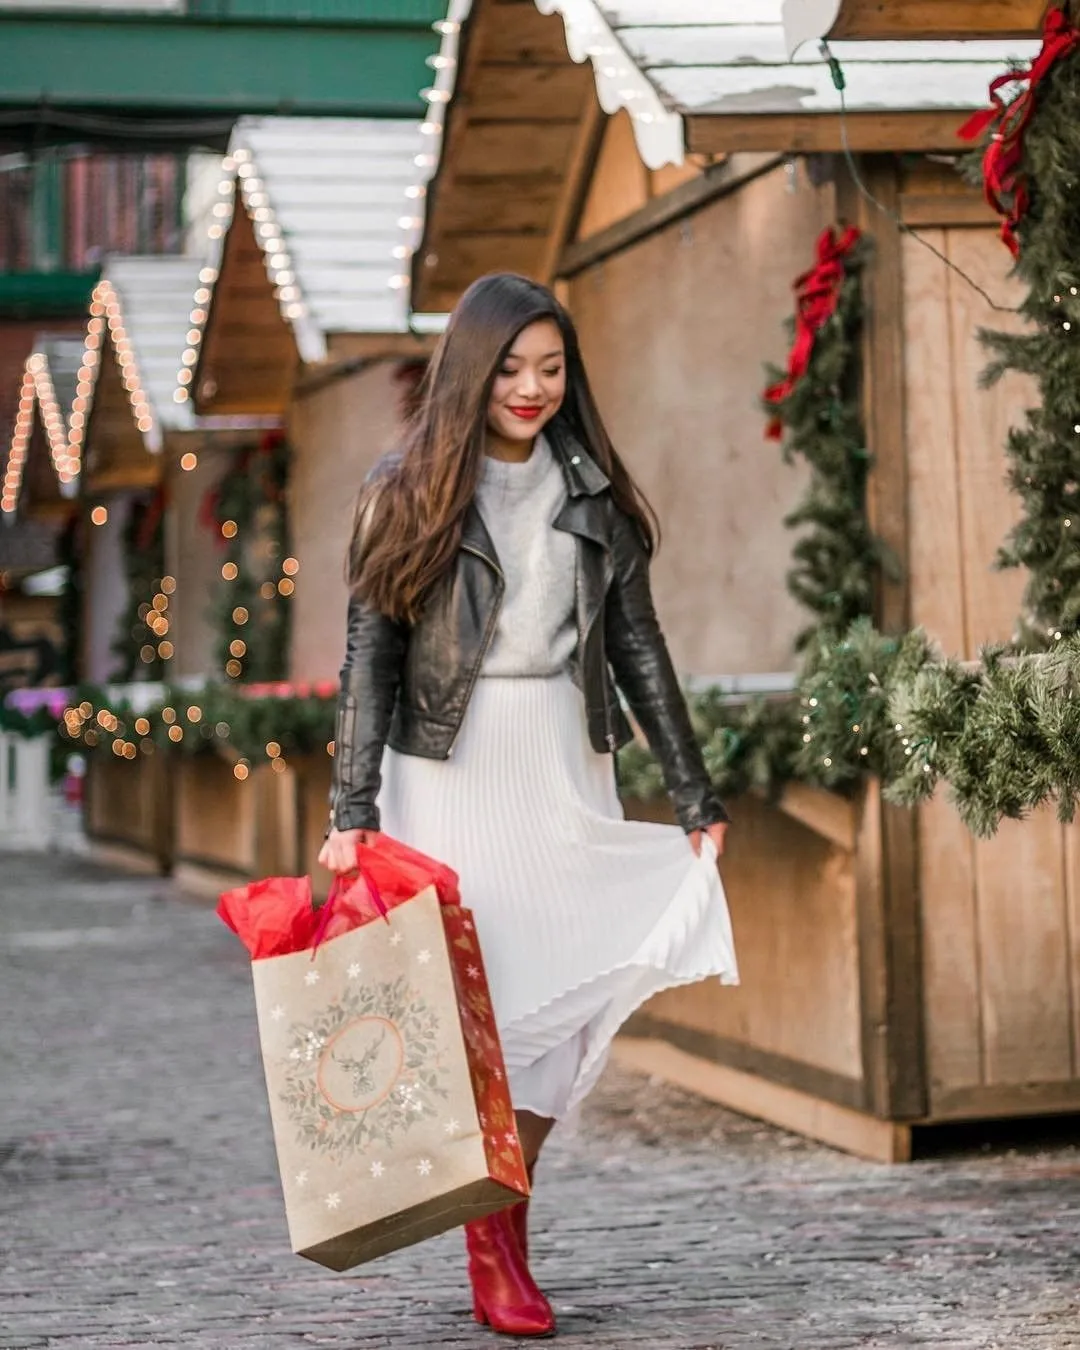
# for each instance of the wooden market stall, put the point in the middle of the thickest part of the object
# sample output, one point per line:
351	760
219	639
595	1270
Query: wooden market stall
145	461
895	970
305	320
36	509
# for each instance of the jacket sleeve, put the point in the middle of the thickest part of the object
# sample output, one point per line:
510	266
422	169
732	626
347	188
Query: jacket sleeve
375	649
375	652
643	671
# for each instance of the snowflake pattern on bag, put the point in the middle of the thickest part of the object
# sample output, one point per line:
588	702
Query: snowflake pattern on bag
365	1070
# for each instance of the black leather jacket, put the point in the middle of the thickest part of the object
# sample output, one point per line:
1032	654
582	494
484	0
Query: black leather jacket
409	686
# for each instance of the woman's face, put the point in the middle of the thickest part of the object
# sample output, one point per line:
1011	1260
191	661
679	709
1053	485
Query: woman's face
530	384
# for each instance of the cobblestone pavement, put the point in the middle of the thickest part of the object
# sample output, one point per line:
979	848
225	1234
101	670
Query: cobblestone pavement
139	1202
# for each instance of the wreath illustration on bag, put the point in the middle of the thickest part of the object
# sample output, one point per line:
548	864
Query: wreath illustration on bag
365	1070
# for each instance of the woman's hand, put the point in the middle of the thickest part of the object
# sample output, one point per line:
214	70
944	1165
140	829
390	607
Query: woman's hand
715	832
338	853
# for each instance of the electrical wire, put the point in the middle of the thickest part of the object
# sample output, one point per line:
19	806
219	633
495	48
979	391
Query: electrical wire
134	130
839	82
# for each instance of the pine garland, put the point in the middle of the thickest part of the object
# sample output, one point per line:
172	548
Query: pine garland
836	560
141	651
745	746
246	726
1044	451
1003	733
246	513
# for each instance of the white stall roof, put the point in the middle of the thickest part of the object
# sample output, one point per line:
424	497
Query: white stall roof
50	376
337	204
153	296
336	189
666	59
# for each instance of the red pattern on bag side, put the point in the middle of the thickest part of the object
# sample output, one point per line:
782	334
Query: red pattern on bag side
491	1088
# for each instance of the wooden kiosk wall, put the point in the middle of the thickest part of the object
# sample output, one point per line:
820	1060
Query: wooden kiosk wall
675	329
894	969
1001	963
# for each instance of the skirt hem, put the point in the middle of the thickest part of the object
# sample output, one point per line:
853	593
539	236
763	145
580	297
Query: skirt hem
693	922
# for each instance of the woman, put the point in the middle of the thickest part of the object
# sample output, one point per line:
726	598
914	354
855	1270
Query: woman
499	572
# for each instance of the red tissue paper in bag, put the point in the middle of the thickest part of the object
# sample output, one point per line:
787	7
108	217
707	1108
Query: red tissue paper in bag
277	915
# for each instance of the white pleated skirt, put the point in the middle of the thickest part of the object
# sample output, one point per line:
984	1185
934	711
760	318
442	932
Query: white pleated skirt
581	915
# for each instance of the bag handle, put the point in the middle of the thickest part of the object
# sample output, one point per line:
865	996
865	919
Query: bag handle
338	887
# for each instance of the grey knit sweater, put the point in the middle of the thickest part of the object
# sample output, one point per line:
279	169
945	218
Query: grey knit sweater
536	632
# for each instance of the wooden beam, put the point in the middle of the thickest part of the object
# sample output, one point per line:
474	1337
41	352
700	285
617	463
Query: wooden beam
462	258
747	1058
512	204
947	210
527	92
883	374
805	133
662	211
497	149
884	20
829	814
887	886
567	207
1001	1100
521	35
381	346
838	1126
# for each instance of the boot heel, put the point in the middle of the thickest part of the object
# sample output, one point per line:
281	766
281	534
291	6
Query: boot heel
478	1311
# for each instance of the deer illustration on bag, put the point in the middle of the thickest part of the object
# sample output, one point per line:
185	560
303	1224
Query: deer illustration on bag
363	1078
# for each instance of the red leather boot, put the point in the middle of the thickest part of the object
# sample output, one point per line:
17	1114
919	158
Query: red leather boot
505	1295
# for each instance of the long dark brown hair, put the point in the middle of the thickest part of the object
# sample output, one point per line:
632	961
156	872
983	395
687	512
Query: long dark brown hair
409	519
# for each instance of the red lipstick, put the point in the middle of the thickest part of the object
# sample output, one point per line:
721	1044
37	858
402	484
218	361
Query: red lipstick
527	414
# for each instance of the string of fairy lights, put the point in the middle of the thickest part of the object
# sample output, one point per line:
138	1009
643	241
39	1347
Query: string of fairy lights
241	185
107	315
20	443
437	97
213	718
131	734
37	392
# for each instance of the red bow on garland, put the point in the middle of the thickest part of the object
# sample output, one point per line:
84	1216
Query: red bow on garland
1005	187
817	294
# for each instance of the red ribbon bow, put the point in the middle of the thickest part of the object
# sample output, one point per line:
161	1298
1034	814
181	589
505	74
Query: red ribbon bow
817	294
1005	187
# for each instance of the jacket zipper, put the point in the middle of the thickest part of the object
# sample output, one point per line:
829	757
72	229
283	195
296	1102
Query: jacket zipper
489	634
344	733
608	721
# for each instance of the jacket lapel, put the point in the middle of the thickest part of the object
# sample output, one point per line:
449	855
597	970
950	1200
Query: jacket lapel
585	516
476	539
584	477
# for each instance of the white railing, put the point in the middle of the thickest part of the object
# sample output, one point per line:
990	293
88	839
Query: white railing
33	815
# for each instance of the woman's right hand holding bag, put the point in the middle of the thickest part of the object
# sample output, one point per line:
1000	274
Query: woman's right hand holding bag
338	853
